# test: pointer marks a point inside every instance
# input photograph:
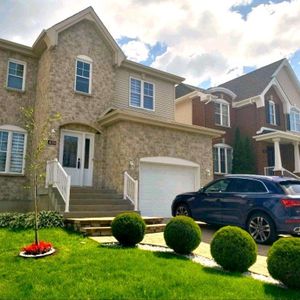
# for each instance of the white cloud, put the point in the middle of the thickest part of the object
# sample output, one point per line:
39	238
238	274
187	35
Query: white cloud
136	50
205	39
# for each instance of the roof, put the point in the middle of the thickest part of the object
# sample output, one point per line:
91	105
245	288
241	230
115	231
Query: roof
253	83
184	89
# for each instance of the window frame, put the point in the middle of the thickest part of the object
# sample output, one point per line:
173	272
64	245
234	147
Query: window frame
272	106
222	103
293	124
19	62
11	129
226	148
86	60
142	94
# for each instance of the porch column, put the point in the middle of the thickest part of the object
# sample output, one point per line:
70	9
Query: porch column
278	163
296	157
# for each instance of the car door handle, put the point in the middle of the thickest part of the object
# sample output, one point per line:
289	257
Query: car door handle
218	200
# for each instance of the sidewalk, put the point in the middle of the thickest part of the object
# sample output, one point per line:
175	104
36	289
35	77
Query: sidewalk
260	267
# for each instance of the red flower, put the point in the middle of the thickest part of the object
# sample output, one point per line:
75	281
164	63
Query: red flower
35	249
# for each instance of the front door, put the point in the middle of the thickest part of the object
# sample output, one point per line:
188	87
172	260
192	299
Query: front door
76	156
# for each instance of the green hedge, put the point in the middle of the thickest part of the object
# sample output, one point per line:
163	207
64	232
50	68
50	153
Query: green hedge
17	221
284	261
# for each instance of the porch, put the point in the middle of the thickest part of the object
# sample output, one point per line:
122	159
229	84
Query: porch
283	156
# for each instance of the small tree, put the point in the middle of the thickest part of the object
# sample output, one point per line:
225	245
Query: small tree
249	163
38	135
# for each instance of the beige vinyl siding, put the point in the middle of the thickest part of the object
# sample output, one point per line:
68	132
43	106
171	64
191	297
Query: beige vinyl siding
289	87
163	100
183	112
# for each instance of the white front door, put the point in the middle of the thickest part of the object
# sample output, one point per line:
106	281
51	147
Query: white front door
76	156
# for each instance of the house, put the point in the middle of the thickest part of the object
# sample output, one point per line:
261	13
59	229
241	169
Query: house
263	104
117	130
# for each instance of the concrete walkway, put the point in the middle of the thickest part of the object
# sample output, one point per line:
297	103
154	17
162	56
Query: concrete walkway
260	267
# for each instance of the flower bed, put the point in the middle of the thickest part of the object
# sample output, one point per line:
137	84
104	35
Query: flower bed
37	250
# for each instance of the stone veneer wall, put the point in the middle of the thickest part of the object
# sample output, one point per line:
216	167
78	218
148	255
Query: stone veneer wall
129	141
13	195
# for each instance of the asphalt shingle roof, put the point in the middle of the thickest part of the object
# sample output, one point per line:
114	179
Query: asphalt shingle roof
253	83
184	89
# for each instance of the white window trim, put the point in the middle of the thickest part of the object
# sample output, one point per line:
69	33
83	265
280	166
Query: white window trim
223	102
13	129
293	112
272	106
142	94
20	62
223	146
87	60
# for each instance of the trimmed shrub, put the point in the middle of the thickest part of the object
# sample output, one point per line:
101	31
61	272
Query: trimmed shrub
284	261
128	228
18	221
233	248
182	234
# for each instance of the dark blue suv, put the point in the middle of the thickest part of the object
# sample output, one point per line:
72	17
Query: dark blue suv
264	205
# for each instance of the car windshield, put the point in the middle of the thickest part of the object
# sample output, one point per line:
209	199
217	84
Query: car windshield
291	187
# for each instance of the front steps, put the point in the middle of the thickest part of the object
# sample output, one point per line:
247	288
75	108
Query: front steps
102	226
90	202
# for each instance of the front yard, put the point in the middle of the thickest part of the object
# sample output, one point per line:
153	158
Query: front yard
81	269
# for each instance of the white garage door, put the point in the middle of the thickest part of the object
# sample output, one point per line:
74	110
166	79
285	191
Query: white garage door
160	183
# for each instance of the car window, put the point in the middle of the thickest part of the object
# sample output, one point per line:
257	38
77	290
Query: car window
218	187
291	187
239	185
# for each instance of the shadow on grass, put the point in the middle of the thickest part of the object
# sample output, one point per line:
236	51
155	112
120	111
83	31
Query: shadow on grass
169	255
219	271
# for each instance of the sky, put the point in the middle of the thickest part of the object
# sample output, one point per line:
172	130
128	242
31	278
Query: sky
208	42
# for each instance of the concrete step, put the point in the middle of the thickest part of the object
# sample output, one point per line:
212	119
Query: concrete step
93	214
106	230
98	201
100	207
95	195
75	190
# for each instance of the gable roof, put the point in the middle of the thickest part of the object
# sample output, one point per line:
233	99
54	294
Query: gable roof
183	89
253	83
49	37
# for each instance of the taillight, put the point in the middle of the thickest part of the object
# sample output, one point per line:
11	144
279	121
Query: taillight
290	202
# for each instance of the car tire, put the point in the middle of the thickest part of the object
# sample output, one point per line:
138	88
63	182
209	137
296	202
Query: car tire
262	228
182	210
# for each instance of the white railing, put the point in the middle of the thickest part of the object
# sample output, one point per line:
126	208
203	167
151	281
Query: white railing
269	171
57	177
131	187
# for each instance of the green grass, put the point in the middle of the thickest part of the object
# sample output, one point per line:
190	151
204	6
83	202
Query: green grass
81	269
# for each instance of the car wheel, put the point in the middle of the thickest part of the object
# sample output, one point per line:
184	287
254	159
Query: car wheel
261	227
182	210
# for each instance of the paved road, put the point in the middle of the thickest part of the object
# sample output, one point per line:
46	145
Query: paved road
209	230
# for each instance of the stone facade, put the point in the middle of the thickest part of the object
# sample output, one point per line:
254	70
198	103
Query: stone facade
129	141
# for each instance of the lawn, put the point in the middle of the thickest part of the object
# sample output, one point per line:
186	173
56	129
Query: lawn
82	269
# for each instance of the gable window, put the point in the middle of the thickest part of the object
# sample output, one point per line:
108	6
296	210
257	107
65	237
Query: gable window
141	94
295	120
222	155
222	113
12	150
83	76
272	113
16	75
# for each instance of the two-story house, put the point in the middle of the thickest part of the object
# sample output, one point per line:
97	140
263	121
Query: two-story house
263	104
117	119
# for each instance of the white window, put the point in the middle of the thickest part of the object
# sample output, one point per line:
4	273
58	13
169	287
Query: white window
12	149
83	74
141	94
222	159
222	113
272	113
16	74
295	120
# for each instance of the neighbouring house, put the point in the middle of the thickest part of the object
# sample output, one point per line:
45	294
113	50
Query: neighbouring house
117	132
263	104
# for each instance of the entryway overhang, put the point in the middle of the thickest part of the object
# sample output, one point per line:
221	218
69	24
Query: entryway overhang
282	137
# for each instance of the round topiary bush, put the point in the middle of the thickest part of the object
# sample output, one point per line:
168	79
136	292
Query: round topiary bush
128	228
233	248
182	234
284	261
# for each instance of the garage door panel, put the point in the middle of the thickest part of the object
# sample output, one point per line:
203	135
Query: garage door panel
159	184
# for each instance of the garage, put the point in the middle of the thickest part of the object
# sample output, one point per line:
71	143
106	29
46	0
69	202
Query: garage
161	179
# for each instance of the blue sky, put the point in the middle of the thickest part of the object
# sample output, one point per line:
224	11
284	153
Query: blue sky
208	42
